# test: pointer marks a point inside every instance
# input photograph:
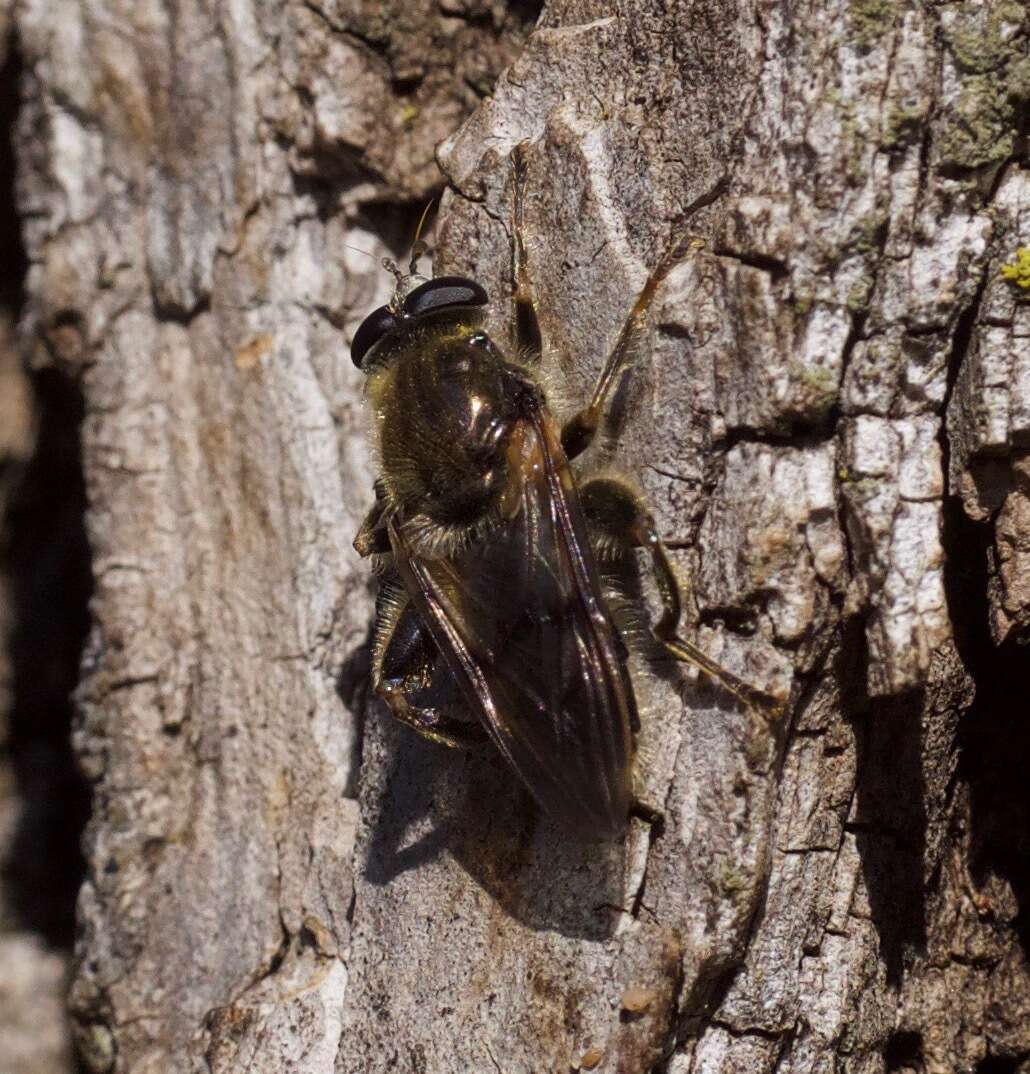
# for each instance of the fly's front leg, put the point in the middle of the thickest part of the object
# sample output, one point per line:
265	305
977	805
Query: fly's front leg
620	516
404	661
528	339
579	431
372	538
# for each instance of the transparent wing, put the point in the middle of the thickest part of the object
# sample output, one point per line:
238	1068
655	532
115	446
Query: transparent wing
520	619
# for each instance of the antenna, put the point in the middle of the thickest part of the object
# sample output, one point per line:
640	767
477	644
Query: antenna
357	250
418	247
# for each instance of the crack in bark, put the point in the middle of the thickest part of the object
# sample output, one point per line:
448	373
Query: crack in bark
799	436
771	266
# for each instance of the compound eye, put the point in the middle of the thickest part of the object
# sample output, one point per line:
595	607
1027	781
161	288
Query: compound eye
442	292
371	331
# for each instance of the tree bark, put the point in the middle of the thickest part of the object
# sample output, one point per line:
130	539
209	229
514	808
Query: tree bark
832	420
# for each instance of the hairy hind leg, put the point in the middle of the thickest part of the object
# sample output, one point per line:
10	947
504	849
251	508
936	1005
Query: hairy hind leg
620	516
405	662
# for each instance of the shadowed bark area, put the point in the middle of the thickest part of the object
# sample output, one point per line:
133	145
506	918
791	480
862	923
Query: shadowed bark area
831	417
44	588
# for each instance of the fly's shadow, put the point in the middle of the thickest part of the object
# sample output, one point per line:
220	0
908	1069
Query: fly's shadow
353	689
425	801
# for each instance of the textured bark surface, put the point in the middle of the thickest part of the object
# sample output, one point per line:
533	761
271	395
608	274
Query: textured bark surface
832	418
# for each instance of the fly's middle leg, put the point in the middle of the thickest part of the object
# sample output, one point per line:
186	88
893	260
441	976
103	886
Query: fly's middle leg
404	667
620	516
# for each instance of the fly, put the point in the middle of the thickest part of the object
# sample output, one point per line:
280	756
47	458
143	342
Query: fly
492	619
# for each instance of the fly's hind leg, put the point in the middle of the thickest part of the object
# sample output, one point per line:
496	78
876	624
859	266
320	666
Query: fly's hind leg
620	518
406	668
528	339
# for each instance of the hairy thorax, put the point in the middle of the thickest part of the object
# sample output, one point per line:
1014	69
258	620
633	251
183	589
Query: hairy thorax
447	404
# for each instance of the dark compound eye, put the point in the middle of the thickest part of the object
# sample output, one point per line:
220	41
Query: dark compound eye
442	292
371	331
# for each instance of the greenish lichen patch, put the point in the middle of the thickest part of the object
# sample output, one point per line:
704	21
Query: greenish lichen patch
984	36
981	126
871	20
903	127
732	880
816	389
861	489
859	293
990	46
871	232
1018	81
1017	271
854	138
822	381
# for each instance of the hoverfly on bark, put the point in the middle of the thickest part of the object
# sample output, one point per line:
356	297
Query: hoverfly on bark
492	620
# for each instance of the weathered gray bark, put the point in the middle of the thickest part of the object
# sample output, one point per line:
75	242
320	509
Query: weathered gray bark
832	421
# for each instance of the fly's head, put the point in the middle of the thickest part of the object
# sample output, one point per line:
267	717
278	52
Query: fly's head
445	399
